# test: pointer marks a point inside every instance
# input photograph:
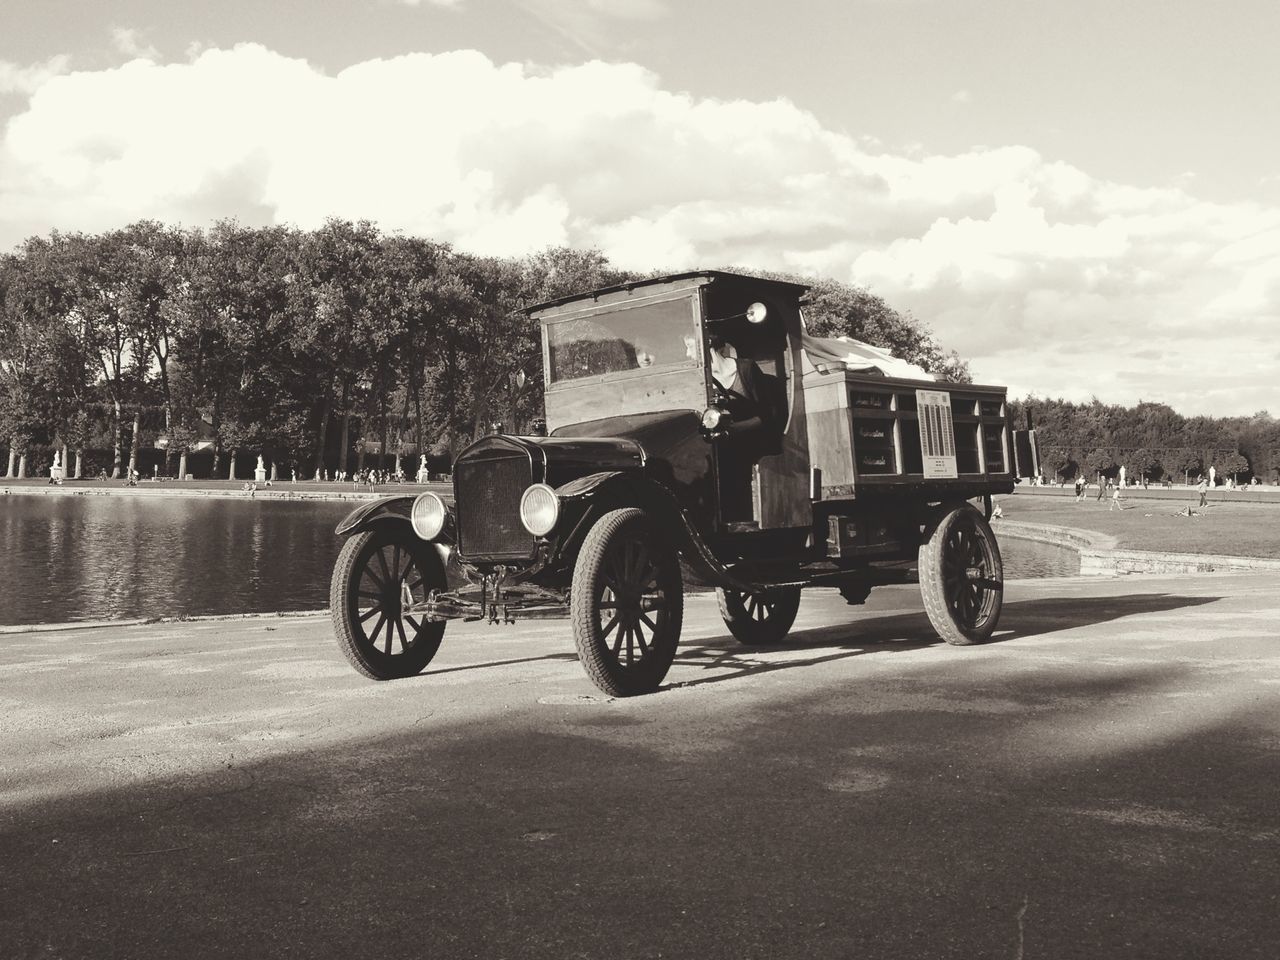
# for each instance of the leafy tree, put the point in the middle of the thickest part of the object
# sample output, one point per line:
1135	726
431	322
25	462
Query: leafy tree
336	331
1053	461
1096	461
149	301
1188	464
1232	465
1144	464
836	309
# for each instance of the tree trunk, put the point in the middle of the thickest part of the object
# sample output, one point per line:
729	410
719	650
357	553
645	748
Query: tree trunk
13	459
404	419
386	427
417	420
346	438
346	429
217	440
135	442
274	477
182	465
325	412
231	470
22	466
116	427
79	462
360	450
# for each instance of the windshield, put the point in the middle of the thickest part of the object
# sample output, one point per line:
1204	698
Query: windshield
652	335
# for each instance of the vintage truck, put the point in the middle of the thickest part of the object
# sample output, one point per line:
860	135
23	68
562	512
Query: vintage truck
656	471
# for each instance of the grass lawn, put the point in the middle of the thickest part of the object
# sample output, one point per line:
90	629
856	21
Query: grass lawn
1232	529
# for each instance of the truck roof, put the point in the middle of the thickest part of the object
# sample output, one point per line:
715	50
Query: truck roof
795	289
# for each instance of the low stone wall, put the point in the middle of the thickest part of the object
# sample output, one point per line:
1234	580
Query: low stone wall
279	491
1100	557
1261	493
190	493
1110	562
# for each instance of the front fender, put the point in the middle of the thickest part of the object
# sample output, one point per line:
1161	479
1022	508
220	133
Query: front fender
586	499
363	517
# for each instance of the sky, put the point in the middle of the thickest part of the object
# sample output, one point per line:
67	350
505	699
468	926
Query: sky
1082	199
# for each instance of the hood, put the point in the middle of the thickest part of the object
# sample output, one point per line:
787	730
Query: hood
557	460
667	447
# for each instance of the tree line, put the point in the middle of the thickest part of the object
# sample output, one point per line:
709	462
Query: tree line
1150	440
307	347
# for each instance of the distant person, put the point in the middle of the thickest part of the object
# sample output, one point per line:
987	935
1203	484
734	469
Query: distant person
1102	487
1115	500
1079	488
1202	488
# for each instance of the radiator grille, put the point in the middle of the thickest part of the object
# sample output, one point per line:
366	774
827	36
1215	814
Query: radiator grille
487	499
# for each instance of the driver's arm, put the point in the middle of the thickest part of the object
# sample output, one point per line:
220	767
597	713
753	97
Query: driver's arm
749	416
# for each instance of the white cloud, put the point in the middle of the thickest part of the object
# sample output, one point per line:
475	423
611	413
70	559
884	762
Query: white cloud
16	78
129	42
1047	278
962	96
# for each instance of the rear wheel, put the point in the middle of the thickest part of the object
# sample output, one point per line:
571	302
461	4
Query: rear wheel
962	577
626	604
759	618
378	574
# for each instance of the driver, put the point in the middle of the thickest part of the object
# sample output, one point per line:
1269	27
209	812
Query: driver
739	388
742	389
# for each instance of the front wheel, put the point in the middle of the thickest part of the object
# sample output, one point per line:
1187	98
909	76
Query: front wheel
626	604
757	619
379	573
962	577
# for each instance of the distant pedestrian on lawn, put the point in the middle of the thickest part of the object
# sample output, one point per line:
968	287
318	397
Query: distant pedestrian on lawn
1202	488
1079	487
1115	500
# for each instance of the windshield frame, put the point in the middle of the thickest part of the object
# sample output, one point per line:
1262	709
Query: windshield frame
689	296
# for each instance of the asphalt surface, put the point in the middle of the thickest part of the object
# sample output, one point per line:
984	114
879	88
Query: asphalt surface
1098	782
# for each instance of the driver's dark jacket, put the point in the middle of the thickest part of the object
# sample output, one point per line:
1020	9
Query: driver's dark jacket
753	405
754	430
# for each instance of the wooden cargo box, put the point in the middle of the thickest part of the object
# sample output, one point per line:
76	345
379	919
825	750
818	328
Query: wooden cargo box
869	433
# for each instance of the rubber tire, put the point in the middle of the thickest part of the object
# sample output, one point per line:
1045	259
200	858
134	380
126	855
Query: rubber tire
612	677
933	587
356	553
750	631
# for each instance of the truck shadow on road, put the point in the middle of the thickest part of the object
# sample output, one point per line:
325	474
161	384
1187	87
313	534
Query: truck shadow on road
903	632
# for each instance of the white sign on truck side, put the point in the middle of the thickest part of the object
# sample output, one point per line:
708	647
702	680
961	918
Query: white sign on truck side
937	434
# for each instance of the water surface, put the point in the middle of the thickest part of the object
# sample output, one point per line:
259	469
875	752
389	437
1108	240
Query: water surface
102	558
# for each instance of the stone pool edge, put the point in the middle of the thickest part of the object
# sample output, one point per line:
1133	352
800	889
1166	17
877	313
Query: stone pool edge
1099	555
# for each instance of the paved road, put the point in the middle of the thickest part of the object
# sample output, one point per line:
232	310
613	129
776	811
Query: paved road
1100	782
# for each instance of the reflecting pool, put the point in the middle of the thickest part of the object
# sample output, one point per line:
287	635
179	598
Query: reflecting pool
99	558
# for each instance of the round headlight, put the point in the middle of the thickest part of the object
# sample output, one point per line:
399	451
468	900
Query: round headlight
539	509
711	418
428	515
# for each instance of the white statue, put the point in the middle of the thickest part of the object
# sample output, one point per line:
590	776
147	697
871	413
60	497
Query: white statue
260	471
422	469
1213	476
1122	483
